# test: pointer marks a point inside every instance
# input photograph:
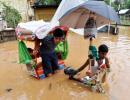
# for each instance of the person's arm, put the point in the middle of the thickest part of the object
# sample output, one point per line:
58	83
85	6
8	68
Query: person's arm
108	65
36	46
83	66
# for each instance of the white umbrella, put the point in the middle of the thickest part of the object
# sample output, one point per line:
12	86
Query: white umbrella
78	16
64	7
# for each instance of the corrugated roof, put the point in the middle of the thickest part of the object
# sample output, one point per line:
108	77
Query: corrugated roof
123	11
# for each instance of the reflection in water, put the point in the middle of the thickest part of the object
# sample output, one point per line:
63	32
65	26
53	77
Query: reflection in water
58	87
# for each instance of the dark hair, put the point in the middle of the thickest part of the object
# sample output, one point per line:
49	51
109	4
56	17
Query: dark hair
58	33
103	48
92	13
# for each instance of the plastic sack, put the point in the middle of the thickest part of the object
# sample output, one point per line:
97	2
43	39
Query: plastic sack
24	56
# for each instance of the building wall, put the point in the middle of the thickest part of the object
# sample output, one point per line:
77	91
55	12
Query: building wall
26	11
3	23
44	13
22	6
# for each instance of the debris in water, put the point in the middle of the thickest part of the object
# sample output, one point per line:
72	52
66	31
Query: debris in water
9	90
50	86
13	61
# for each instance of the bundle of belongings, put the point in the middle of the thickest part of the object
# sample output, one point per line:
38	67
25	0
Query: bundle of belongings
28	31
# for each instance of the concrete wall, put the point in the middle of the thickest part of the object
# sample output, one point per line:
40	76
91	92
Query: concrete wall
22	6
7	35
44	13
3	25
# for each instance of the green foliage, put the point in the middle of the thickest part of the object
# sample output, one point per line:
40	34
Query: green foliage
128	4
117	2
11	16
50	2
113	4
57	1
107	1
124	4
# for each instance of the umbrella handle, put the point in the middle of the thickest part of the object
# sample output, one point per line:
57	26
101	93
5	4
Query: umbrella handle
91	41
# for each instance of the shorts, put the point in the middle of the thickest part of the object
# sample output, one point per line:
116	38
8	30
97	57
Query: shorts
90	32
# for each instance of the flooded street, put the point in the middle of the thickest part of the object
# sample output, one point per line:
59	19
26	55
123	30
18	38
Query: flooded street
16	84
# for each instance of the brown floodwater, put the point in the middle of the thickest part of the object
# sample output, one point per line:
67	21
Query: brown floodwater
16	84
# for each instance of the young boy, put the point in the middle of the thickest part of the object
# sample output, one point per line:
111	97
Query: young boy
97	65
34	57
46	48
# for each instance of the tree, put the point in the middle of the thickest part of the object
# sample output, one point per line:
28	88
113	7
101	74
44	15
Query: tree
11	15
107	1
117	5
124	4
128	4
57	1
50	2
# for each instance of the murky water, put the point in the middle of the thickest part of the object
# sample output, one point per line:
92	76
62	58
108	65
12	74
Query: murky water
16	84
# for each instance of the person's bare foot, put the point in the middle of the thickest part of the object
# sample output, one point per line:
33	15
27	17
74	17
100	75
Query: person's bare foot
50	74
78	76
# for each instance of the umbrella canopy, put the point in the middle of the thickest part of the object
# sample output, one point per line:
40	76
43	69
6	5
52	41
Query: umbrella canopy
64	7
78	16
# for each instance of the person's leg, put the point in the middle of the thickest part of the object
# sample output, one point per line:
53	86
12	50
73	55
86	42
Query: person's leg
104	78
54	61
46	62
